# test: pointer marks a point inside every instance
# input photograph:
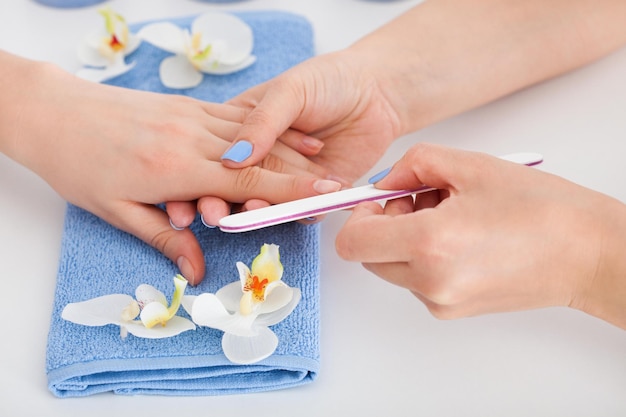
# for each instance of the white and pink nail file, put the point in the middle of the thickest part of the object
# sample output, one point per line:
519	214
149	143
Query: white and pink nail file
327	203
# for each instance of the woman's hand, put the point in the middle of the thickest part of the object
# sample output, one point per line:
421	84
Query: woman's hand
333	100
495	236
118	152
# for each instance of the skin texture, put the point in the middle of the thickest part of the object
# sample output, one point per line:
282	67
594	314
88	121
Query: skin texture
406	75
495	236
438	59
118	152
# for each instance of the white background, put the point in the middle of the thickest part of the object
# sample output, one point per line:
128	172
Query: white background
382	353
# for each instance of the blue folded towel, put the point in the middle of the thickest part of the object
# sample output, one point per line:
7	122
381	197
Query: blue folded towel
97	259
68	4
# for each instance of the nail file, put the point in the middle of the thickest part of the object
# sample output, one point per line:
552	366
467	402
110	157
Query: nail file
327	203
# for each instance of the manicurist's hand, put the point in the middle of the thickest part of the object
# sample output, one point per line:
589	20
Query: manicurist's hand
495	237
118	153
436	60
345	120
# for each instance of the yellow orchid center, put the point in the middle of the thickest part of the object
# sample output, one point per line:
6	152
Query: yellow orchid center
115	44
265	268
117	30
196	53
267	263
257	287
156	313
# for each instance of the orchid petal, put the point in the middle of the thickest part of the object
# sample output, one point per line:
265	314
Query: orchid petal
98	311
154	313
246	350
180	283
267	263
146	294
230	295
277	295
224	69
99	75
208	310
187	302
133	43
244	273
164	35
175	326
228	29
131	311
274	317
177	72
88	53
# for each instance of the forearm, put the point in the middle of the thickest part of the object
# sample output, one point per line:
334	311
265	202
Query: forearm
447	56
28	89
14	75
604	294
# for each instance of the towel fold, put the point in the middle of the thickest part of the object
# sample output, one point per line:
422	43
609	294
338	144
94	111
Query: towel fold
97	259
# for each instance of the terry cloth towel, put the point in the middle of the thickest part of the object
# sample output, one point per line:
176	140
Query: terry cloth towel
97	259
68	4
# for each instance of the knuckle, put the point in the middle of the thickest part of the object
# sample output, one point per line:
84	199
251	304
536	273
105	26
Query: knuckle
259	117
422	154
161	241
273	163
152	160
248	178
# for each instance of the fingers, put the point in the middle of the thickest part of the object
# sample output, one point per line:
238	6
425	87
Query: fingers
181	213
241	185
287	161
369	235
278	108
397	273
235	114
212	209
151	225
303	144
432	165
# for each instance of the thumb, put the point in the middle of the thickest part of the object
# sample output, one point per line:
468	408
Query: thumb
278	108
151	225
431	165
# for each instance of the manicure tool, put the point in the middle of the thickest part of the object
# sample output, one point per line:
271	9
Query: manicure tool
327	203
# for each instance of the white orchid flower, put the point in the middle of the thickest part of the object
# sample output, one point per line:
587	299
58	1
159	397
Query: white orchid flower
103	51
156	319
219	43
244	309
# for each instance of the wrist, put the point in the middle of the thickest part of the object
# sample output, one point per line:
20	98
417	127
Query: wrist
603	294
30	89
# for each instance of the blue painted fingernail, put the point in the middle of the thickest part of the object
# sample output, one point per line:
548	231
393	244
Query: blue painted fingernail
239	152
382	174
205	223
174	226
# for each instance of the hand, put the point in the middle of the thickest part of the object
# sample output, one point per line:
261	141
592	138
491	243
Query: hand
118	152
494	237
333	98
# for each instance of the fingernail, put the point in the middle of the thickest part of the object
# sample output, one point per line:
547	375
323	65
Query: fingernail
326	186
339	180
186	269
312	143
239	152
210	226
310	219
174	226
382	174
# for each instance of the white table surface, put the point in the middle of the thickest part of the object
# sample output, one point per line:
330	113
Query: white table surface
382	353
